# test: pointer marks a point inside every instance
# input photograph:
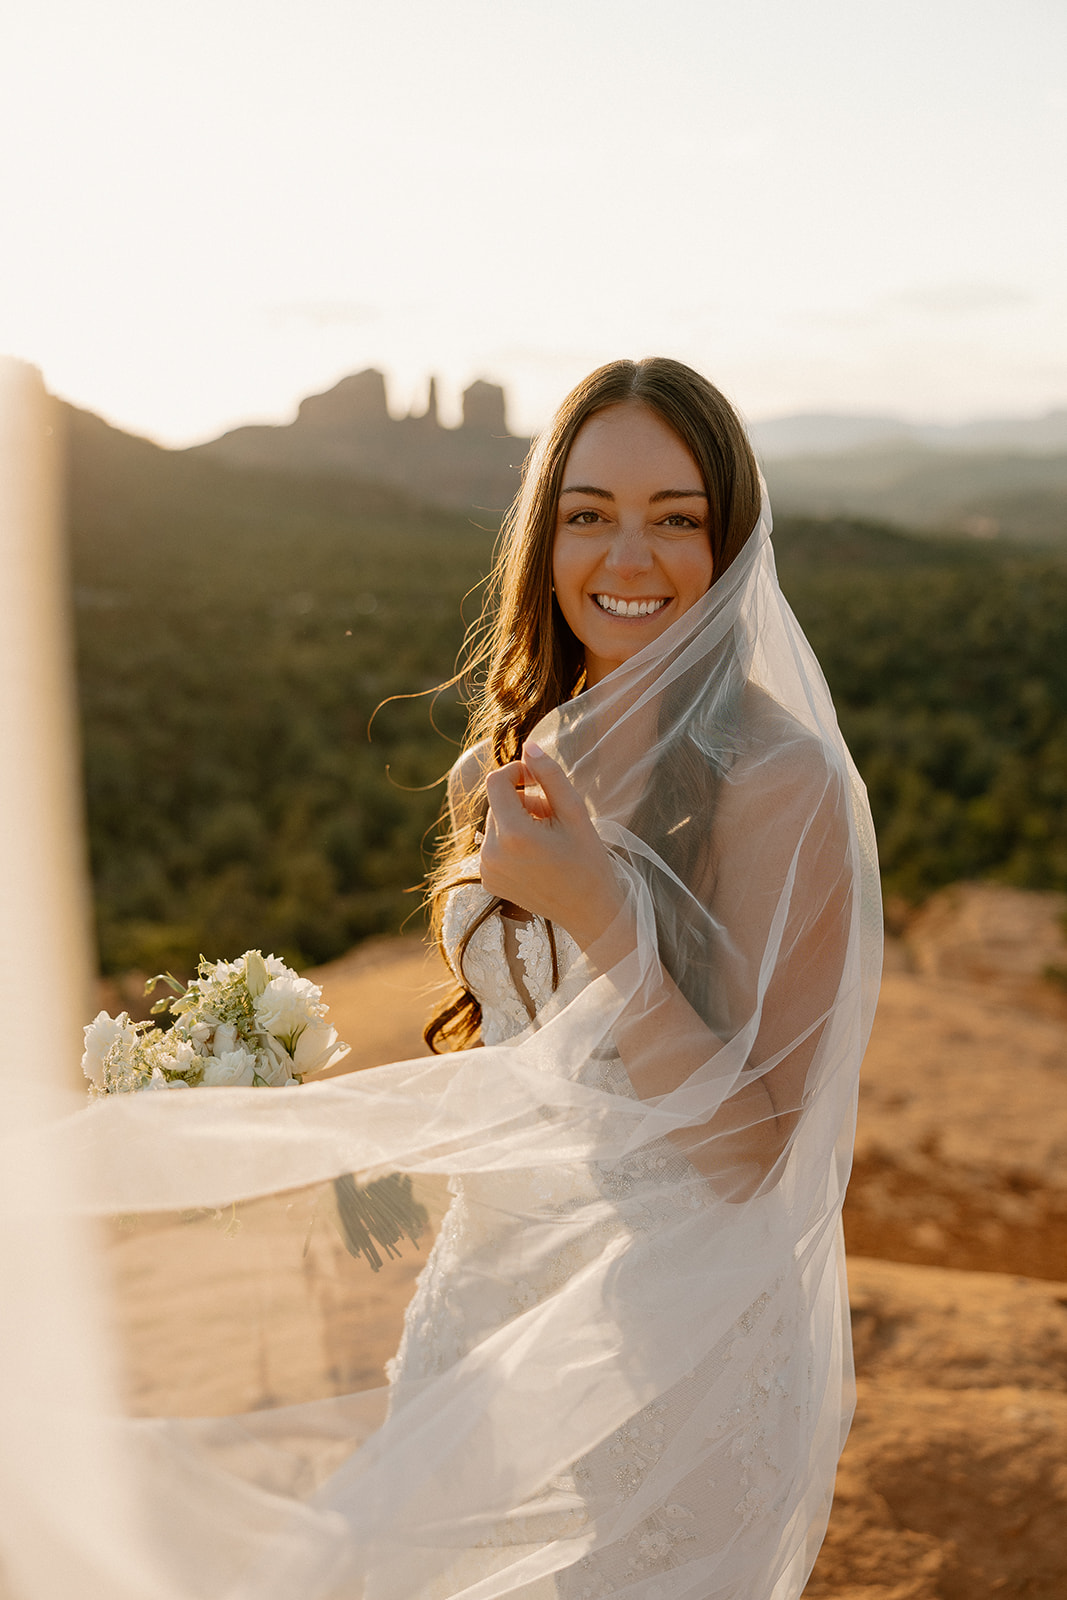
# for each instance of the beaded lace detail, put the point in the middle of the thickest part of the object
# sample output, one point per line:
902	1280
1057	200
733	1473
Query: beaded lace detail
485	966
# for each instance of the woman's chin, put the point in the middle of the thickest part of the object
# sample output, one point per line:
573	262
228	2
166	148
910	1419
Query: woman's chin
611	646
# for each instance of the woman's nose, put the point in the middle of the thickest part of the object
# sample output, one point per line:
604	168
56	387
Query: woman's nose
630	553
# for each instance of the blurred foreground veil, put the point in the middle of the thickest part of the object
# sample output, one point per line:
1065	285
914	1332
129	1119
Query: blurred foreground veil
66	1524
628	1372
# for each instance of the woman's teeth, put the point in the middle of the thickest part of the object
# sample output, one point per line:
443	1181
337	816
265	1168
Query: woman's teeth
628	608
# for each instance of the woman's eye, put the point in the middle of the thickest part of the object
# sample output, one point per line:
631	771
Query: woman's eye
678	519
584	519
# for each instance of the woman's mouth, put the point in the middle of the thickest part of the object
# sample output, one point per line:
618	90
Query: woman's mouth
615	606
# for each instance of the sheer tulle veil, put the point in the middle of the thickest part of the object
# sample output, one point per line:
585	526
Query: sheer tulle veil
714	769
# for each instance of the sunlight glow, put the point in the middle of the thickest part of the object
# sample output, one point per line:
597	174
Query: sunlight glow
214	210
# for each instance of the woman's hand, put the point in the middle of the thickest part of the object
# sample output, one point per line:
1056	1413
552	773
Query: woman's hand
542	852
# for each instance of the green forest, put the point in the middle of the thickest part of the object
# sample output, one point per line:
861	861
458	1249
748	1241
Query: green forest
236	631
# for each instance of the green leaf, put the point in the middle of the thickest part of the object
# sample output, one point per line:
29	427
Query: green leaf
167	978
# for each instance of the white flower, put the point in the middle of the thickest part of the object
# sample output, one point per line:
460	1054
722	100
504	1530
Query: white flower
270	1046
158	1081
220	972
274	1066
318	1047
256	975
233	1070
273	1062
225	1039
287	1005
185	1057
100	1035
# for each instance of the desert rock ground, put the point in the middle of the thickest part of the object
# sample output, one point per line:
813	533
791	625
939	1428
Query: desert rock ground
953	1485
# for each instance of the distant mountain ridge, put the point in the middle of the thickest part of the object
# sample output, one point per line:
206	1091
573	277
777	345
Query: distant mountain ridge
982	494
992	478
832	433
350	432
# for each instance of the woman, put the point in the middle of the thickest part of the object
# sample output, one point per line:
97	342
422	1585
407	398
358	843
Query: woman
625	1368
721	873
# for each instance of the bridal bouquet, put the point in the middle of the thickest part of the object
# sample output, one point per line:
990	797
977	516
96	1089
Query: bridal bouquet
250	1023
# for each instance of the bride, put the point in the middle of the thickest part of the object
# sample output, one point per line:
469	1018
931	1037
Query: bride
726	880
625	1370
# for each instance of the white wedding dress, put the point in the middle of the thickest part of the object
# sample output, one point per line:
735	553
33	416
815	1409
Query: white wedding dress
462	1299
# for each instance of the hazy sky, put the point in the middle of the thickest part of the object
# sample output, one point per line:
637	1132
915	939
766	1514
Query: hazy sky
211	208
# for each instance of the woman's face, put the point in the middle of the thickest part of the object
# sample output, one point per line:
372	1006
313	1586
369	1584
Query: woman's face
632	550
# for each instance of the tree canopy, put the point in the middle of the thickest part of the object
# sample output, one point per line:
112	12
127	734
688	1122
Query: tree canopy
236	630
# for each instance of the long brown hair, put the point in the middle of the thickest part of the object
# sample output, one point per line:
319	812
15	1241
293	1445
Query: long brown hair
522	660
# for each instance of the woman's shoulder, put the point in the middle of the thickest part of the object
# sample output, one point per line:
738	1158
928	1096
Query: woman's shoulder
466	779
787	787
787	752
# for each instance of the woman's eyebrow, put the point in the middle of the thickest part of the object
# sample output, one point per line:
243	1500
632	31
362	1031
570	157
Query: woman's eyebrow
661	494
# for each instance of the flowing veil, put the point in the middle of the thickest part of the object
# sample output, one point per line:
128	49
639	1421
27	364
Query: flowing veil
669	1140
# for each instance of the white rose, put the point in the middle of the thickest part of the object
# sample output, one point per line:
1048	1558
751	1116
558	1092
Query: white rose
256	975
158	1081
269	1045
225	1039
272	967
273	1061
318	1047
287	1005
100	1034
274	1067
233	1070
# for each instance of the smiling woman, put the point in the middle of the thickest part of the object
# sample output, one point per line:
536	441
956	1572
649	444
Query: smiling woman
694	837
643	489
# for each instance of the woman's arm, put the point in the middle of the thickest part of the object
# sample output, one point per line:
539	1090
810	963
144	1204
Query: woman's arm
464	782
779	831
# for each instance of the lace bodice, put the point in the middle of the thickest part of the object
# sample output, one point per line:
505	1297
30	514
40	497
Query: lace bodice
485	966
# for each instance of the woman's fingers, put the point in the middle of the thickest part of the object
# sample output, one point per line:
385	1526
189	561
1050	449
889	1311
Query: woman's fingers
542	851
563	798
534	787
503	789
505	854
535	800
516	786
